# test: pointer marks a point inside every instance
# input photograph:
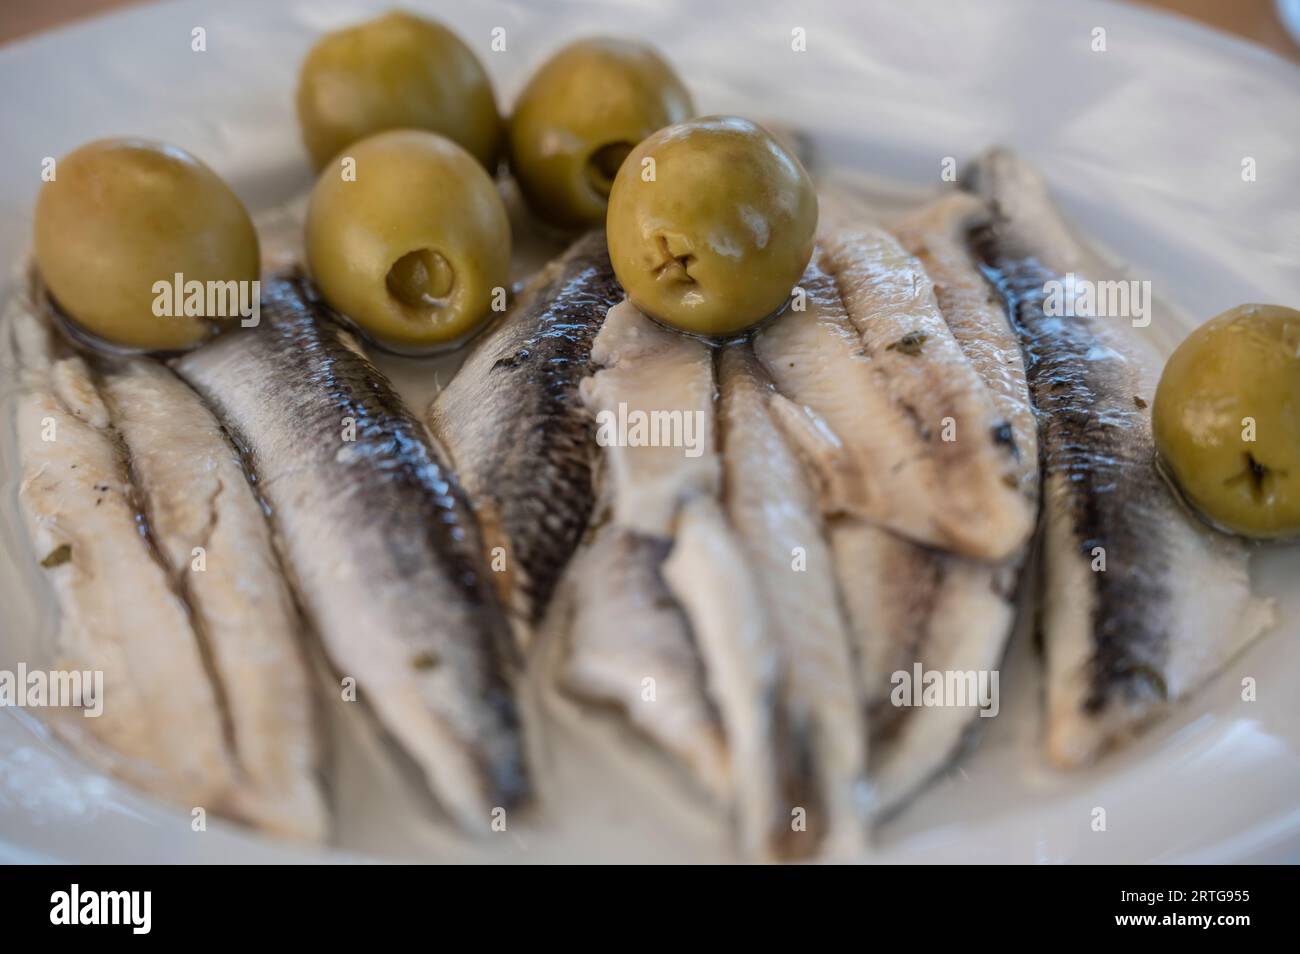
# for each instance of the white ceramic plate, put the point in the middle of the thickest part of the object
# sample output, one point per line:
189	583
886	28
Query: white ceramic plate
1144	145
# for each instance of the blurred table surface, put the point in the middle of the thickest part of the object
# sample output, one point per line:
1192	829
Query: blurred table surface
1255	20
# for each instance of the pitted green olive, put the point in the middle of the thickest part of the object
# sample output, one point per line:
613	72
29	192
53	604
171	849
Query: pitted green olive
580	115
398	71
123	215
1227	419
414	248
711	223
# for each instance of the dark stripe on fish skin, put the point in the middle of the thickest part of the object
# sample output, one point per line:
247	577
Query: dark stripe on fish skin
556	452
402	483
1094	437
390	440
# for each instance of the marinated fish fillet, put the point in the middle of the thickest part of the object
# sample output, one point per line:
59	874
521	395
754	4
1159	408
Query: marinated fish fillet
937	236
626	624
625	629
708	574
778	522
384	551
1142	604
890	300
160	728
918	438
911	605
654	401
215	542
656	386
907	604
516	432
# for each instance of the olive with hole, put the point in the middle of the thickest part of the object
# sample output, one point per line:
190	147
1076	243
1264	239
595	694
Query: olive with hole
415	249
1226	420
398	71
121	216
579	116
711	224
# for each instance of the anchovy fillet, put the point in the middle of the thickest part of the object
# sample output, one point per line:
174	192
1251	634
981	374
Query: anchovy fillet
160	727
384	551
906	604
626	625
627	644
937	236
1141	604
516	431
911	605
778	524
213	537
652	382
707	574
917	437
661	492
873	353
777	677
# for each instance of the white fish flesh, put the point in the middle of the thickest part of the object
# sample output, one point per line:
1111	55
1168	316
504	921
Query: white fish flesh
917	443
777	520
214	539
1141	603
627	644
661	384
119	613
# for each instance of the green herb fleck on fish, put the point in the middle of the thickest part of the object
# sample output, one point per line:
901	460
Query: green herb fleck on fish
424	661
909	344
58	556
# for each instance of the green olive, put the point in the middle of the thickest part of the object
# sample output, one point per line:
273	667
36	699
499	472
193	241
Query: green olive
580	115
415	247
121	216
711	224
398	71
1227	420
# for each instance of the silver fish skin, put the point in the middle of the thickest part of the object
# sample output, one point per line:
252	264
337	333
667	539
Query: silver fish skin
199	506
517	433
381	544
1142	603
